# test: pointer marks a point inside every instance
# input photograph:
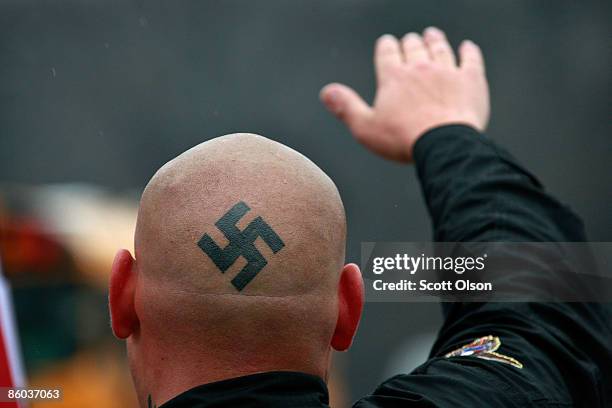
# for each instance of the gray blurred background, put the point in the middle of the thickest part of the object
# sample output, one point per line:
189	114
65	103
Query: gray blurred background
105	92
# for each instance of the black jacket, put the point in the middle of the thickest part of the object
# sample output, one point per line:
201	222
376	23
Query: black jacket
475	192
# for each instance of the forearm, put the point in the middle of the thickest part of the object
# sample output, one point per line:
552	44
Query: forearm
476	192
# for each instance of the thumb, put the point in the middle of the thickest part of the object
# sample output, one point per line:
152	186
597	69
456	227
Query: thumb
347	106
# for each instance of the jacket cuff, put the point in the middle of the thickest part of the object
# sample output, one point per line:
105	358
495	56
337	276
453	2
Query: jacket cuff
435	136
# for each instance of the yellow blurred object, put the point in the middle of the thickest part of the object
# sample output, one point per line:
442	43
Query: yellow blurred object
93	378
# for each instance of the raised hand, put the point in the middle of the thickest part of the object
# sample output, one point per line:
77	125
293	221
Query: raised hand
420	86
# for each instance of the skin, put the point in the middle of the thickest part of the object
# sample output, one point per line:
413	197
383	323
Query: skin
420	86
183	322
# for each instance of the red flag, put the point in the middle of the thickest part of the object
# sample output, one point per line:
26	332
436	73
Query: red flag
11	374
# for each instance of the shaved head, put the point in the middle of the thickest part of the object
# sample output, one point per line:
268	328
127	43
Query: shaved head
240	247
191	193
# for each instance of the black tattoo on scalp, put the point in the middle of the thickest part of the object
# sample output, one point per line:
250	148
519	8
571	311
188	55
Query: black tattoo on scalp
241	243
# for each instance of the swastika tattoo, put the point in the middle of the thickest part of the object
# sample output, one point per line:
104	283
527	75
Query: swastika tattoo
241	243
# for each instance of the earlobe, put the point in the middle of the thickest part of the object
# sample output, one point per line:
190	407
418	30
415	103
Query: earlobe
122	289
350	306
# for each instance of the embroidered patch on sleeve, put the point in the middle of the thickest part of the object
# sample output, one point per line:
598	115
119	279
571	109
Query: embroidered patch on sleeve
485	348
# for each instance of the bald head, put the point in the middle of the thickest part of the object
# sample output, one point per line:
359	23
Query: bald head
241	190
239	268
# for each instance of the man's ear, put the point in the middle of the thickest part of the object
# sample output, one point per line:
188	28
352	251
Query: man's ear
350	306
122	290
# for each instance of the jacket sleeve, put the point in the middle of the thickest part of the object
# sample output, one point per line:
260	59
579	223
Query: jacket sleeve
477	192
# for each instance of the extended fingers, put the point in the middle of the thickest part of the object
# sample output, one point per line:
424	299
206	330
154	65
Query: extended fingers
471	56
414	49
438	47
387	56
432	46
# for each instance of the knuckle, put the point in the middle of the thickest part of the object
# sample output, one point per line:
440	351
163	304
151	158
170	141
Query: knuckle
423	66
440	48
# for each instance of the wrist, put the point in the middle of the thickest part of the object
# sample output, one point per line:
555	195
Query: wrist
418	131
437	136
